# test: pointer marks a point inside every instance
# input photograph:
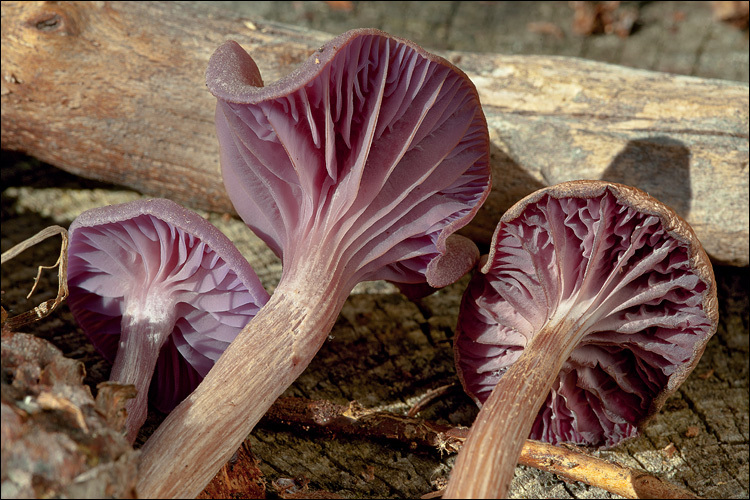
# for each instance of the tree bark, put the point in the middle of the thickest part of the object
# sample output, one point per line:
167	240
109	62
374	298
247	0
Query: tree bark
115	91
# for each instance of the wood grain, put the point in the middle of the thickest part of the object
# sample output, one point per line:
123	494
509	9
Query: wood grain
114	91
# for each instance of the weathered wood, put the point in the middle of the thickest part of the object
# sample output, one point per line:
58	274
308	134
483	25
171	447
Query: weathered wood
387	353
115	92
569	462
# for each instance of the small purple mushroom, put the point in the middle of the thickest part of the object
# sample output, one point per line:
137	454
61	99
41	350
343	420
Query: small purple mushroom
360	165
595	303
160	292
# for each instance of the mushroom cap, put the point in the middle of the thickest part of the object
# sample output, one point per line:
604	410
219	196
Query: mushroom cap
119	254
370	154
608	257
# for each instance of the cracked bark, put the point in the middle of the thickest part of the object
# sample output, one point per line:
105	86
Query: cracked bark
685	466
570	462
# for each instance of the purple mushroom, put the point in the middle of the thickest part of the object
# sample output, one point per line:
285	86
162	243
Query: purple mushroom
160	292
360	165
595	303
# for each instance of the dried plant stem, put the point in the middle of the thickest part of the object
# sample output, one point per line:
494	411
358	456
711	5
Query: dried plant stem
429	397
203	431
615	478
357	421
569	463
485	465
45	308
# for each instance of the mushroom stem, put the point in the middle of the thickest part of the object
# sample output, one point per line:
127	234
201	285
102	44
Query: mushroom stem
203	431
140	343
483	469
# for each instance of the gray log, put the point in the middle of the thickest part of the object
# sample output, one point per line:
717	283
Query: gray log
115	92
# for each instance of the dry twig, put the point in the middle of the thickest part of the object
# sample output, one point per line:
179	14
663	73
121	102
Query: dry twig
568	463
429	397
45	308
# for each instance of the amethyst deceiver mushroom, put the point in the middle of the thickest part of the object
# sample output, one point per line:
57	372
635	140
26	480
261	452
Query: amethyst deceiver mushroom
595	303
160	292
360	165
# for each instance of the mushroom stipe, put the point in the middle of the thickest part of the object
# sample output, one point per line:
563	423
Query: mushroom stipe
160	292
360	165
595	303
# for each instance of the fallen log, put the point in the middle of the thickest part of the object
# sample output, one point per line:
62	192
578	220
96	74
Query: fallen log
115	92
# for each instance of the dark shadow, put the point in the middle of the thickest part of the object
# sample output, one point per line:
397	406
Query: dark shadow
19	169
510	183
658	165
